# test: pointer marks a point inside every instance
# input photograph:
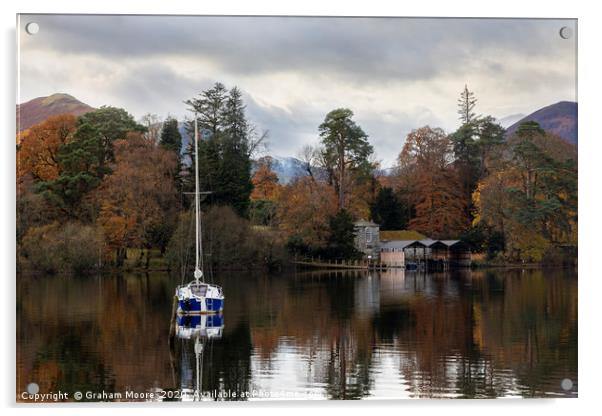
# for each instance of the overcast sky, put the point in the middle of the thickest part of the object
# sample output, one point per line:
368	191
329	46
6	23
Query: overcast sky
395	74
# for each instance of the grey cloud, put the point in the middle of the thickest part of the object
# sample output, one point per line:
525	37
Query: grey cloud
361	49
288	130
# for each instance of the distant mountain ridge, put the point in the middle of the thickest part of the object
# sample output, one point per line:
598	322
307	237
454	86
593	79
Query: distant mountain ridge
288	168
39	109
559	119
508	121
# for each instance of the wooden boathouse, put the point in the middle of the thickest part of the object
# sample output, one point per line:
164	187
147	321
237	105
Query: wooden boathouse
425	254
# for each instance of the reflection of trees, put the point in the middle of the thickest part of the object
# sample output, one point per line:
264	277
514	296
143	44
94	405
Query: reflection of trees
81	370
227	363
108	333
533	328
473	334
467	334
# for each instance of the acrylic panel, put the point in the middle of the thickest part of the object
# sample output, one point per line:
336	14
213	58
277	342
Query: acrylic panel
268	208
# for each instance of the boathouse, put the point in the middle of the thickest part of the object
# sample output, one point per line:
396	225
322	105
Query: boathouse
425	254
401	253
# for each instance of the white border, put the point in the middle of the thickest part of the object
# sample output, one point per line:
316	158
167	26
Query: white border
590	153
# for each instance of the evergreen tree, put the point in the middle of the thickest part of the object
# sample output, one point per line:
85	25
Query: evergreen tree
466	161
106	125
224	159
171	139
346	148
84	161
342	236
473	144
387	210
466	104
490	136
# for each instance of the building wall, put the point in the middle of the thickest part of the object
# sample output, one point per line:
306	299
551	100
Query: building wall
393	258
367	240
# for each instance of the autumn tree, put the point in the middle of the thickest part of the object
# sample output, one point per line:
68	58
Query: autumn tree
266	189
138	201
84	160
304	210
440	210
265	181
39	147
403	181
346	149
530	195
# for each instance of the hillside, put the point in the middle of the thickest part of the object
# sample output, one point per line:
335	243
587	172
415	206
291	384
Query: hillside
39	109
559	118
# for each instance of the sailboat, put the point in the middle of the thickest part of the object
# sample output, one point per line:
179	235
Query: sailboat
199	297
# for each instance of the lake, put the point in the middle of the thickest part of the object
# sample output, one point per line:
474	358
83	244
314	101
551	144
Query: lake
304	335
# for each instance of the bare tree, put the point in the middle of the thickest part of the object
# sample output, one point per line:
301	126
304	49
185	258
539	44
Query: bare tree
258	143
309	156
153	125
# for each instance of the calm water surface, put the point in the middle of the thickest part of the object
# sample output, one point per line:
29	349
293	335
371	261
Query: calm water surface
304	335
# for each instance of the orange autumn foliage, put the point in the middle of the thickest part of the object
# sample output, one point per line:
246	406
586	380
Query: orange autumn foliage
136	196
39	146
440	209
265	183
304	209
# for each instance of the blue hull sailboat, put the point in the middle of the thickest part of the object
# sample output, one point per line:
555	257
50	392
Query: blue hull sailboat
199	297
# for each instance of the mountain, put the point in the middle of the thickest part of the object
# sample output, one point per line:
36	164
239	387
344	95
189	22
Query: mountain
287	168
559	118
39	109
507	121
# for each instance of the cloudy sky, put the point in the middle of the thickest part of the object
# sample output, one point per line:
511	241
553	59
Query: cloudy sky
395	74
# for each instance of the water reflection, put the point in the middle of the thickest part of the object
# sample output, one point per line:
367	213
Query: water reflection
330	334
194	335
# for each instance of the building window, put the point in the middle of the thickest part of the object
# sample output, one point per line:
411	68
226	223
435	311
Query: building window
368	235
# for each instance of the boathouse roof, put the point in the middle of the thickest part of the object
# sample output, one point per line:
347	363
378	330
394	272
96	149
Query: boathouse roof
401	244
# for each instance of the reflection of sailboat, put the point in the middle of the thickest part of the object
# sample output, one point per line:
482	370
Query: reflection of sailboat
195	326
198	296
196	331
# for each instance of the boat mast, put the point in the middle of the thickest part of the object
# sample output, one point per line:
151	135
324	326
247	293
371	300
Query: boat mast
198	352
198	273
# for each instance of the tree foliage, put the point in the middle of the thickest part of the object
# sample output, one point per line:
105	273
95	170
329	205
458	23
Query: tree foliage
170	137
305	208
466	105
67	248
39	147
138	201
265	181
346	149
229	242
474	143
440	208
340	243
225	149
387	210
530	195
84	161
